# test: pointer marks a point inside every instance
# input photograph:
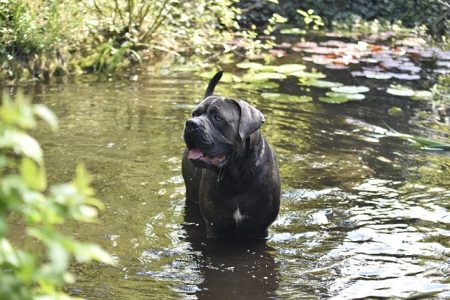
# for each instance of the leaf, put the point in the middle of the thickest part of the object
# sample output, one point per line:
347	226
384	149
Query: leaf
22	144
379	75
334	100
249	65
47	115
287	97
351	97
263	76
350	89
33	175
83	180
400	90
321	83
422	95
290	68
86	252
312	75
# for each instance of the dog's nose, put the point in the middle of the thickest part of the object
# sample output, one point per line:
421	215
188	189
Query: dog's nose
191	125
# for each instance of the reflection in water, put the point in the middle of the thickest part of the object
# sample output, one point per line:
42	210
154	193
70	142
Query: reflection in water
360	216
231	269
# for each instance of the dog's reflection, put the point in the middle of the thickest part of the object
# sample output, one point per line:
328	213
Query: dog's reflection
231	269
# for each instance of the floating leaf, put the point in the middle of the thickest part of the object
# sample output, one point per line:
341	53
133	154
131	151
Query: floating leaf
394	110
403	76
422	95
263	76
334	100
287	97
400	90
350	89
352	97
321	83
303	74
290	68
378	75
249	65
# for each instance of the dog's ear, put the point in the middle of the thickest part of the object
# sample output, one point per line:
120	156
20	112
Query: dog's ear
250	120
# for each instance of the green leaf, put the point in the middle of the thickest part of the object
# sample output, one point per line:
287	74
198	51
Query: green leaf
33	175
400	90
422	95
289	68
22	144
350	89
47	115
308	75
248	65
287	97
263	76
351	97
320	83
88	252
83	180
334	100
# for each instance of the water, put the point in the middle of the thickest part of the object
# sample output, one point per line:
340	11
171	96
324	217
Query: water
361	216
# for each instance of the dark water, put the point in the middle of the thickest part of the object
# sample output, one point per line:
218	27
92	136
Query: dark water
361	216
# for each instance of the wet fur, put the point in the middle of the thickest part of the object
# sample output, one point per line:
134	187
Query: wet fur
241	199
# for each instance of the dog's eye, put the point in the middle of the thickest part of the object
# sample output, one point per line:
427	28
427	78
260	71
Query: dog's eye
217	118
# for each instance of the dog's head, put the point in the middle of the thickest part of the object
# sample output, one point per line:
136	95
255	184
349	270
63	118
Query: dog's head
218	130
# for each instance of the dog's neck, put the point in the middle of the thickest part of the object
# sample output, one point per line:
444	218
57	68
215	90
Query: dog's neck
254	148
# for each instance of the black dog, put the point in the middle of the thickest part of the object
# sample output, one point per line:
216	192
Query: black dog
229	168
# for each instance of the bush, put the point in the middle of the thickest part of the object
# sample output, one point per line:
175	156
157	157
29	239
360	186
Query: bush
431	13
26	201
41	38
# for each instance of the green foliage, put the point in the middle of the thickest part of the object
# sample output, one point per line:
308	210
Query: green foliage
310	19
354	14
40	38
28	203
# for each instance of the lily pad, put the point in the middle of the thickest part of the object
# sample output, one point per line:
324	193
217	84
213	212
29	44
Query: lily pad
320	83
290	68
263	76
350	89
334	100
314	75
287	97
422	95
400	90
249	65
379	75
351	97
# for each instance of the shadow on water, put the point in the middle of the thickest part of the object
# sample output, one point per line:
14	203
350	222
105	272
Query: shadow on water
231	269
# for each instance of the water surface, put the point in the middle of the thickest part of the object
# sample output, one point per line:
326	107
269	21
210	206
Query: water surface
361	216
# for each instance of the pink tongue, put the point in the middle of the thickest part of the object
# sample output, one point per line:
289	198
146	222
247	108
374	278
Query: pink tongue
195	154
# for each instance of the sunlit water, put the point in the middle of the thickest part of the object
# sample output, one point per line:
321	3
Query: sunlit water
361	216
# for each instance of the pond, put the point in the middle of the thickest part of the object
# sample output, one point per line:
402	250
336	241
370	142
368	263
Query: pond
362	215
